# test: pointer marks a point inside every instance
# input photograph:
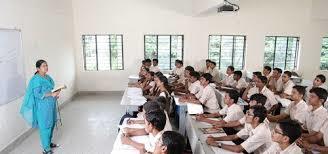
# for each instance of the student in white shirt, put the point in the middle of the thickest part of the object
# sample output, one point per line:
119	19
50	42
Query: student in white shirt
296	110
206	68
251	88
317	114
231	111
208	97
275	81
287	86
256	99
228	80
154	125
214	72
195	88
256	133
311	144
284	136
170	143
318	81
182	87
240	83
178	71
155	68
267	71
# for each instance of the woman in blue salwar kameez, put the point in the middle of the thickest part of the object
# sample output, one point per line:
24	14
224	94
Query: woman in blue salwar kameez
39	105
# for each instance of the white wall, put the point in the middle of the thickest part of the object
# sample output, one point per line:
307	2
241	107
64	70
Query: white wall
47	31
133	19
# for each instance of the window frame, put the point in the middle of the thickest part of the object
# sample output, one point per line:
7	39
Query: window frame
323	38
274	53
218	65
182	46
110	52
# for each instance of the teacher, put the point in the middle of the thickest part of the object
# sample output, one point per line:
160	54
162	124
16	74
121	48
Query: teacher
39	106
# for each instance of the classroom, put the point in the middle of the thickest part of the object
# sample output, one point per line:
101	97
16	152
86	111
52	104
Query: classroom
163	76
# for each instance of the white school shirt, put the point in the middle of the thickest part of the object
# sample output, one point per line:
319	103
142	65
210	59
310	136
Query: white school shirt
297	111
278	84
271	100
179	72
324	131
315	119
232	113
195	87
151	142
168	126
291	149
288	87
241	83
215	75
228	80
154	69
257	140
208	99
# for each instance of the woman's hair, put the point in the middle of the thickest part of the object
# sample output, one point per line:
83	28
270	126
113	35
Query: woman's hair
165	82
38	64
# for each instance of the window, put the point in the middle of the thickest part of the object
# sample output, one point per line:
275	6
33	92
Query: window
281	52
324	54
165	48
103	52
227	50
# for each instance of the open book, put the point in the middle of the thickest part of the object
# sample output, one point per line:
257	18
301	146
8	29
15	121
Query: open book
59	88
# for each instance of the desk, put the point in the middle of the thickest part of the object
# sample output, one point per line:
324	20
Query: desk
182	115
131	102
198	140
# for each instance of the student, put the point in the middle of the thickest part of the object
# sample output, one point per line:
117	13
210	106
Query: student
195	88
275	81
228	80
285	135
146	84
178	71
240	83
183	87
296	110
208	97
154	125
287	86
154	68
206	69
231	111
312	144
155	90
256	99
256	133
318	81
317	114
271	105
214	72
170	143
267	71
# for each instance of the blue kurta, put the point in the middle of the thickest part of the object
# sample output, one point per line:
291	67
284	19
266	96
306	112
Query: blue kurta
40	110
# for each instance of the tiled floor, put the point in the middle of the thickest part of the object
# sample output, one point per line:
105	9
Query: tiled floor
89	126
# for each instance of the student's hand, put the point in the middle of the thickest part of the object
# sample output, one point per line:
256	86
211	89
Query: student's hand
217	126
211	141
303	144
130	122
125	139
127	131
55	94
200	118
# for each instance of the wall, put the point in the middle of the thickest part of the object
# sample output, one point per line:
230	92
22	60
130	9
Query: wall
133	19
47	31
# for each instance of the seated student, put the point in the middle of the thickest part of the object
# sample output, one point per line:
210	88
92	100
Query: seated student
208	97
195	88
256	99
206	68
154	125
314	143
178	71
275	81
142	75
284	136
214	72
228	80
296	110
287	86
147	84
318	81
256	133
154	91
183	87
317	114
170	143
267	71
271	104
240	83
231	111
154	68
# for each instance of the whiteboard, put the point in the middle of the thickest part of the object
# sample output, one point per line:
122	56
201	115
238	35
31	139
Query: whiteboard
12	76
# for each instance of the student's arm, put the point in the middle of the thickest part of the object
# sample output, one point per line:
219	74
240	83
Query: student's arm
311	147
223	138
213	122
233	148
277	118
211	115
136	132
229	124
126	140
274	107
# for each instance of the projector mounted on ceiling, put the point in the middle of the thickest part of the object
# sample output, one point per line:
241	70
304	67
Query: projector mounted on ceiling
228	7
